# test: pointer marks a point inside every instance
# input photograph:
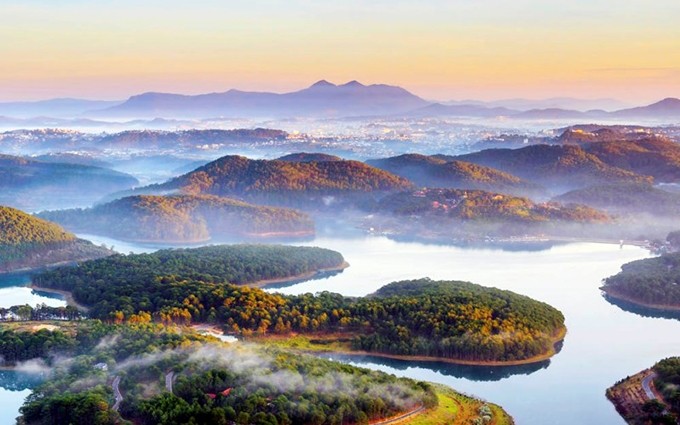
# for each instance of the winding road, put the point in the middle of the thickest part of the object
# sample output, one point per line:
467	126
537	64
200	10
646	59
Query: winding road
647	386
116	393
169	378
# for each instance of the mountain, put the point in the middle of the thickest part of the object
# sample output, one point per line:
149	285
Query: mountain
30	242
31	184
56	108
322	99
569	103
72	158
465	110
284	183
559	168
184	219
429	171
664	109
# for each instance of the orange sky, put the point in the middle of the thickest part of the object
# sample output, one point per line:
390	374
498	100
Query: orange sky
482	49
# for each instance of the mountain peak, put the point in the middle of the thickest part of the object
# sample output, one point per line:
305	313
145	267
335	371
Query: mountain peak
353	83
322	83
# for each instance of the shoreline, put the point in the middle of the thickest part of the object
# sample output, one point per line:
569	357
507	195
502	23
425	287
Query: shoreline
304	276
68	297
430	359
661	308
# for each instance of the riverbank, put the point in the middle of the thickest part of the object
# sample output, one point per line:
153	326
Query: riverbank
630	395
299	277
661	308
339	344
68	297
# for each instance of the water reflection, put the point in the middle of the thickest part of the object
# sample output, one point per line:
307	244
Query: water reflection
473	373
642	310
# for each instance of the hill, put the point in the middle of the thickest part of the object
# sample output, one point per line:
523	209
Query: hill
480	205
31	184
652	282
626	198
309	157
317	184
559	168
650	155
320	99
184	218
663	109
464	322
30	242
430	171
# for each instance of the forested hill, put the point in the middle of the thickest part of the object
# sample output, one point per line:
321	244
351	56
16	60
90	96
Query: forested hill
284	182
559	168
17	228
237	264
29	242
184	218
431	171
626	198
211	382
30	184
478	205
651	282
450	320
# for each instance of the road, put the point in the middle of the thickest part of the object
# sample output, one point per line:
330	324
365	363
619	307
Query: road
169	378
116	393
647	386
400	418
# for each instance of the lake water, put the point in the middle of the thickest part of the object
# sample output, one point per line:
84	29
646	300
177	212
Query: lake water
14	388
603	345
14	291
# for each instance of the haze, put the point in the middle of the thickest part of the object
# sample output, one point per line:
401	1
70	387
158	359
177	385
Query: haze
454	50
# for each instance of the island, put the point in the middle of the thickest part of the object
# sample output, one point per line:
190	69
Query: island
451	321
184	219
651	396
27	243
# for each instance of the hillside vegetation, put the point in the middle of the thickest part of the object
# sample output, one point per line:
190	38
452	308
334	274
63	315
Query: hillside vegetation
449	320
30	242
184	218
652	281
211	382
27	183
430	171
483	206
284	182
559	168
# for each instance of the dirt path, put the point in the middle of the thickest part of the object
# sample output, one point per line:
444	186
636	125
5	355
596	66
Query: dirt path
400	418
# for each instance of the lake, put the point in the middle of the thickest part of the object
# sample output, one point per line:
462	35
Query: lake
603	345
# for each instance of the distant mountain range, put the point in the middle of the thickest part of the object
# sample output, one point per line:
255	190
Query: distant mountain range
321	100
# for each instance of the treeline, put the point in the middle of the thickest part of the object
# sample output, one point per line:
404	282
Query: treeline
651	281
183	218
237	264
21	346
39	312
214	383
455	320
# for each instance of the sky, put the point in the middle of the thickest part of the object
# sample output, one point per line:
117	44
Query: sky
440	50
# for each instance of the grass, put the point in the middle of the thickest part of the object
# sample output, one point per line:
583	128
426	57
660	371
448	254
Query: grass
456	408
69	327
